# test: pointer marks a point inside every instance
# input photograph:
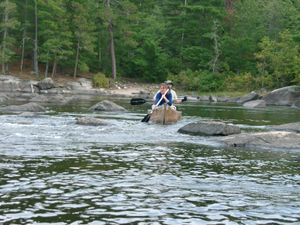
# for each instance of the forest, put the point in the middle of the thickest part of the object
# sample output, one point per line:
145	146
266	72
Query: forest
210	45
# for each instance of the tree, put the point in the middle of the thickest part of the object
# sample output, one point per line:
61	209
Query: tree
9	22
24	27
83	30
280	59
35	50
55	34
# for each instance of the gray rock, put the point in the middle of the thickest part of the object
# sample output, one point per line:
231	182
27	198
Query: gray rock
297	104
90	121
9	83
265	140
209	129
3	98
255	104
29	107
58	99
106	106
249	97
286	96
294	127
46	84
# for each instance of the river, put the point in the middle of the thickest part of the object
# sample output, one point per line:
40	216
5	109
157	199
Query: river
53	170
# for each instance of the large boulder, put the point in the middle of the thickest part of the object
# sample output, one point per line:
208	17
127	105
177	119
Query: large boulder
286	96
265	140
106	106
46	84
29	107
209	129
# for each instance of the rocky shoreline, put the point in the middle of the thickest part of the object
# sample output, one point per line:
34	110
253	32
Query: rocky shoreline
37	94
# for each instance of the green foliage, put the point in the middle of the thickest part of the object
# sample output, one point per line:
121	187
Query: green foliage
8	23
256	43
280	59
100	80
202	81
239	82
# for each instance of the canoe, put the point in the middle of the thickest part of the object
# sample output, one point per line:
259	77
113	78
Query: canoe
163	115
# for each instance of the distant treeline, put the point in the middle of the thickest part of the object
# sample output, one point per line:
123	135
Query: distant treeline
208	45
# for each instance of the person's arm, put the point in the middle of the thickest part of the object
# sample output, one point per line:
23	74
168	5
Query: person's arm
169	99
154	97
157	98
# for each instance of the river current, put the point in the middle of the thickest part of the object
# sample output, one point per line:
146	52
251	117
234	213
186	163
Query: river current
54	171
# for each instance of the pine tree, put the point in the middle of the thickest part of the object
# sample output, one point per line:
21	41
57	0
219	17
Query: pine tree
9	23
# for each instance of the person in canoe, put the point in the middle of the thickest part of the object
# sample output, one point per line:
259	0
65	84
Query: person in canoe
175	99
174	94
162	96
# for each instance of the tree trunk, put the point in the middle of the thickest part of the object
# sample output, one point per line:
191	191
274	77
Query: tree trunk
5	31
112	46
54	67
46	69
47	66
77	59
24	38
112	52
35	51
229	6
216	47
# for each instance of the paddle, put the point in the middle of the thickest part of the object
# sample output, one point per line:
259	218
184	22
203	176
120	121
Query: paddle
140	101
147	117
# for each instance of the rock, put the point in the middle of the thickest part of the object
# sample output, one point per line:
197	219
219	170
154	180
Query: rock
80	84
107	106
249	97
3	98
286	96
296	104
58	99
90	121
293	127
9	83
29	107
46	84
255	104
265	140
209	129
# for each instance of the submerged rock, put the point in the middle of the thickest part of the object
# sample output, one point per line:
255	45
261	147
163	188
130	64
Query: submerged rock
294	127
90	121
210	129
107	106
249	97
29	107
255	104
265	140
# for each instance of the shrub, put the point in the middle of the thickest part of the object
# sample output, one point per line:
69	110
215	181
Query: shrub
203	81
241	82
100	80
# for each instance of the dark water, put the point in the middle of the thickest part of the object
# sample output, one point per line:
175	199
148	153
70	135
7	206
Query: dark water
55	171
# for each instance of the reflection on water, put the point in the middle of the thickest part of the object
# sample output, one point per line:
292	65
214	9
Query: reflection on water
167	184
55	171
